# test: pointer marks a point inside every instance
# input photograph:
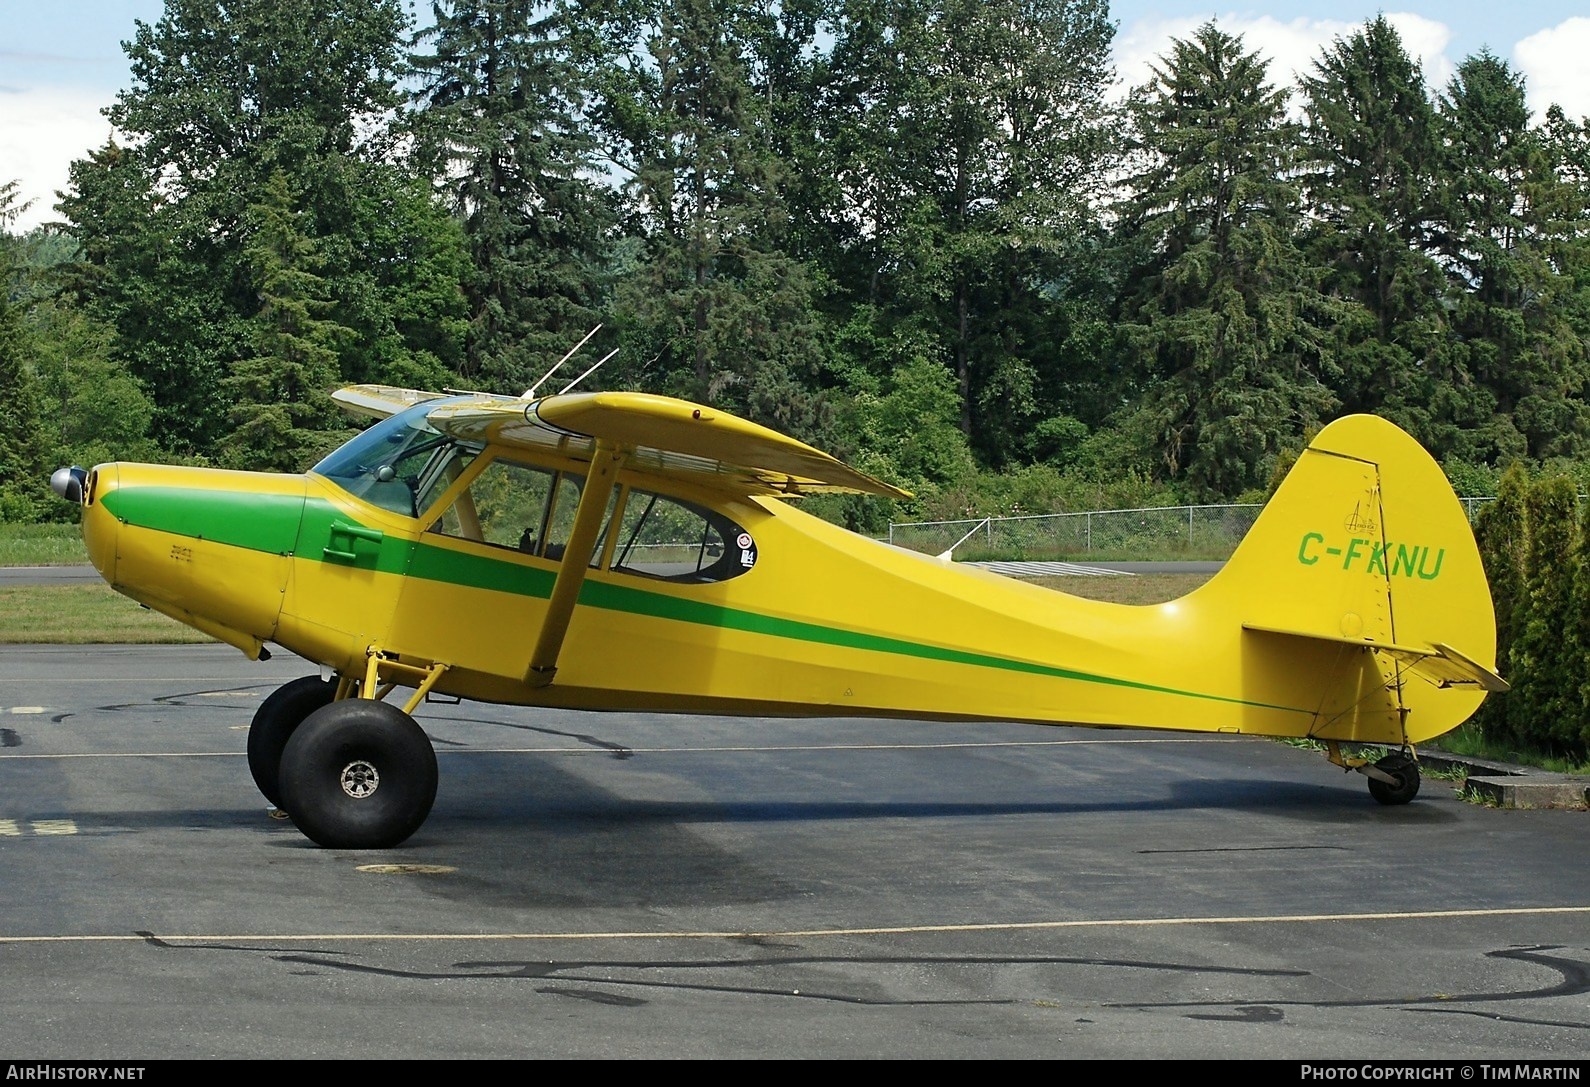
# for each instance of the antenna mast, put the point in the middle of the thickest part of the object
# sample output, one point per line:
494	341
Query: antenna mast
589	371
531	391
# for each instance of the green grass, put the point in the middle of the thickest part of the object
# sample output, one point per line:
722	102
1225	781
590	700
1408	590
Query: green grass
41	545
1138	589
84	615
1468	740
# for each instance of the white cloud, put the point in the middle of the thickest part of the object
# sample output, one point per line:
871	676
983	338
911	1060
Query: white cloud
1139	46
1552	62
1426	42
1291	47
42	129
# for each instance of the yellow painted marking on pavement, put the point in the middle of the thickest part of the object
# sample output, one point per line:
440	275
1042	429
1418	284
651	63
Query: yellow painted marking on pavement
407	869
131	755
16	828
766	934
26	709
54	826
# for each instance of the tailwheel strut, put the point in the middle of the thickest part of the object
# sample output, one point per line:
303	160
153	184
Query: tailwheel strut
1393	779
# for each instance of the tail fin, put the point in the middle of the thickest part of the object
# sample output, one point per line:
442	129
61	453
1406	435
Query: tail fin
1363	568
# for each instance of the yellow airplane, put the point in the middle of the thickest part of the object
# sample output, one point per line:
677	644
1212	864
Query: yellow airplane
618	550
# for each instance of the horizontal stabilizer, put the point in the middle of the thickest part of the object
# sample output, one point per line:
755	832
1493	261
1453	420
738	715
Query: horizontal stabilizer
1438	663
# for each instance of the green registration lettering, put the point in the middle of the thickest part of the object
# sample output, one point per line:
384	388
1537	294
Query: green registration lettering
1383	557
1435	573
1352	552
1302	549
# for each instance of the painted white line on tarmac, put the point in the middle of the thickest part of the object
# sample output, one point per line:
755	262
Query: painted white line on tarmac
817	933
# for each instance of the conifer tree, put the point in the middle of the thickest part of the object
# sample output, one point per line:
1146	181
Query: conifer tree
974	141
1577	635
1226	318
714	305
1544	706
1502	532
281	415
223	97
1514	380
23	476
499	124
1370	158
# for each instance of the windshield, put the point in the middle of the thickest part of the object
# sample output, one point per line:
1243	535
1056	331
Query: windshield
400	464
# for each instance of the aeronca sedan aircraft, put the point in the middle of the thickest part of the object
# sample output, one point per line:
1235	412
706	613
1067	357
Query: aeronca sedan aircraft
619	550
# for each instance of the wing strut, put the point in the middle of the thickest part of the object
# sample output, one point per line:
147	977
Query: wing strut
576	561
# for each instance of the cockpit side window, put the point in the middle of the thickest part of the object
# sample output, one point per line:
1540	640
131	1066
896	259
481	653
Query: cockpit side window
518	506
673	540
506	505
400	464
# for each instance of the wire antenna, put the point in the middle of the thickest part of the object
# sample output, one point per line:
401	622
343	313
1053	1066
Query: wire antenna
531	391
591	370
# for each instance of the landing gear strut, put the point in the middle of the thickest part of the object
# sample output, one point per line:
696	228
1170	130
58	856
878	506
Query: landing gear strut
1392	780
351	771
1403	771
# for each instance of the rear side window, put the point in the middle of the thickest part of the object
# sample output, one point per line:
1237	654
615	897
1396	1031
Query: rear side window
669	539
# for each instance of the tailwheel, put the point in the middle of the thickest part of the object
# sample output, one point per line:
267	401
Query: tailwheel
274	723
1403	770
358	774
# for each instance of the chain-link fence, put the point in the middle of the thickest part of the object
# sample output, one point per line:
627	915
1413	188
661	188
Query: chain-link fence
1163	532
1160	532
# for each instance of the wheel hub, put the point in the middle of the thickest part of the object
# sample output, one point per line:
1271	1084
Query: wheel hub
359	779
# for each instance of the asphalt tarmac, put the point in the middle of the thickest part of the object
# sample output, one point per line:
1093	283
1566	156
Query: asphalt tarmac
633	886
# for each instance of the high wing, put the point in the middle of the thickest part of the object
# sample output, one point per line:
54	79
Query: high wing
380	401
655	434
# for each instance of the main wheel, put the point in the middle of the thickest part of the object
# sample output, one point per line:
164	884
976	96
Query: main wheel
1402	767
275	721
358	774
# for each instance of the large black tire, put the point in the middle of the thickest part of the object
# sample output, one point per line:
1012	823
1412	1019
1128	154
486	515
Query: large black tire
358	774
275	720
1402	767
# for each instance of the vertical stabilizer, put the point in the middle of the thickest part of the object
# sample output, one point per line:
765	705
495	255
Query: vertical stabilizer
1363	567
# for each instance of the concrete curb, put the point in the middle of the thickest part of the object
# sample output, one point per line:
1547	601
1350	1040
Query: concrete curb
1508	786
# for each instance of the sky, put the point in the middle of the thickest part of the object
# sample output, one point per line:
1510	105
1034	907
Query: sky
61	61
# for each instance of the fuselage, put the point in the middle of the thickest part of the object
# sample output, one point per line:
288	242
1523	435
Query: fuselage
813	620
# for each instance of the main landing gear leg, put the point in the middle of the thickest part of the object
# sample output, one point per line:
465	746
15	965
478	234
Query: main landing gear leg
351	771
1392	780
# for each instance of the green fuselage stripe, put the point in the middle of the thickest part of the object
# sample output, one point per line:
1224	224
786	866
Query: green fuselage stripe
261	522
254	521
